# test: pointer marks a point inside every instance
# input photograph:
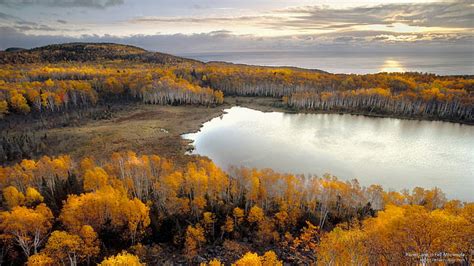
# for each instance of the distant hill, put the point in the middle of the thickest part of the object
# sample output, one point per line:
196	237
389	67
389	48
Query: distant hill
14	49
84	52
223	63
90	52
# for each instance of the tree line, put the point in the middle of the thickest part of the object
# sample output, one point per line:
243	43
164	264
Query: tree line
432	103
61	211
402	94
37	87
54	89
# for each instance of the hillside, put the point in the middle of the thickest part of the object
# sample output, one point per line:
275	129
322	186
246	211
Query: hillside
87	52
94	52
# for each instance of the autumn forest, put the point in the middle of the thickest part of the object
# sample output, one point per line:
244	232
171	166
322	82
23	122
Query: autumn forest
125	205
40	87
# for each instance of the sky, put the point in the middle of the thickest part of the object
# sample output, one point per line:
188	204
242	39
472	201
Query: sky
189	26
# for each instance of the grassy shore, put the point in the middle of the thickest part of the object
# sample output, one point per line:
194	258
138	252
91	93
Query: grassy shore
143	128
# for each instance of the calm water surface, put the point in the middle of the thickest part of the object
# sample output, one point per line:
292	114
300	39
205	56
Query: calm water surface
394	153
441	63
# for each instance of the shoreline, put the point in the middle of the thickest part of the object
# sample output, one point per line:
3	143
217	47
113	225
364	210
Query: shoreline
252	104
148	129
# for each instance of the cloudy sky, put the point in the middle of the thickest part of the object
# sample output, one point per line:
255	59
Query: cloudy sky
187	26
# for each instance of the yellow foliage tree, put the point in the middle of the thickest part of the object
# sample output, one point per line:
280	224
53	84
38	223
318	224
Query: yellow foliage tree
194	238
27	226
95	179
228	226
213	262
343	247
18	102
249	259
137	216
308	240
13	197
256	214
122	259
33	196
91	248
3	108
208	220
270	258
253	259
106	205
396	232
40	259
64	248
239	215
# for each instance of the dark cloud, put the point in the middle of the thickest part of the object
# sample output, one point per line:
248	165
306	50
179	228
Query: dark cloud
220	33
63	3
23	25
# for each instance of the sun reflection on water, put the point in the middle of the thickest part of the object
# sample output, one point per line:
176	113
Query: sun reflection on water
391	65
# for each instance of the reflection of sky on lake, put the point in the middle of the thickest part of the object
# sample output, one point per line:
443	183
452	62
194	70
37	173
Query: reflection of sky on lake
392	152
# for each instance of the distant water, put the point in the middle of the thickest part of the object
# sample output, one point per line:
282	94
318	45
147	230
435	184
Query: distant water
446	63
391	152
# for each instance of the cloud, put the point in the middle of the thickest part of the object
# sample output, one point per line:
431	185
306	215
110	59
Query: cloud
305	28
225	41
200	20
63	3
458	14
36	27
451	14
25	26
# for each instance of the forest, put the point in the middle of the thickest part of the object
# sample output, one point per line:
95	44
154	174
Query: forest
135	209
130	207
54	85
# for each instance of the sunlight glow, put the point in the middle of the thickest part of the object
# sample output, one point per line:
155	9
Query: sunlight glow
391	65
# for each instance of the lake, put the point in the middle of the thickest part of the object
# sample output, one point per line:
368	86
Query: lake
441	63
394	153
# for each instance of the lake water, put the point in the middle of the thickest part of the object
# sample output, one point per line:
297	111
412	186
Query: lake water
391	152
441	63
